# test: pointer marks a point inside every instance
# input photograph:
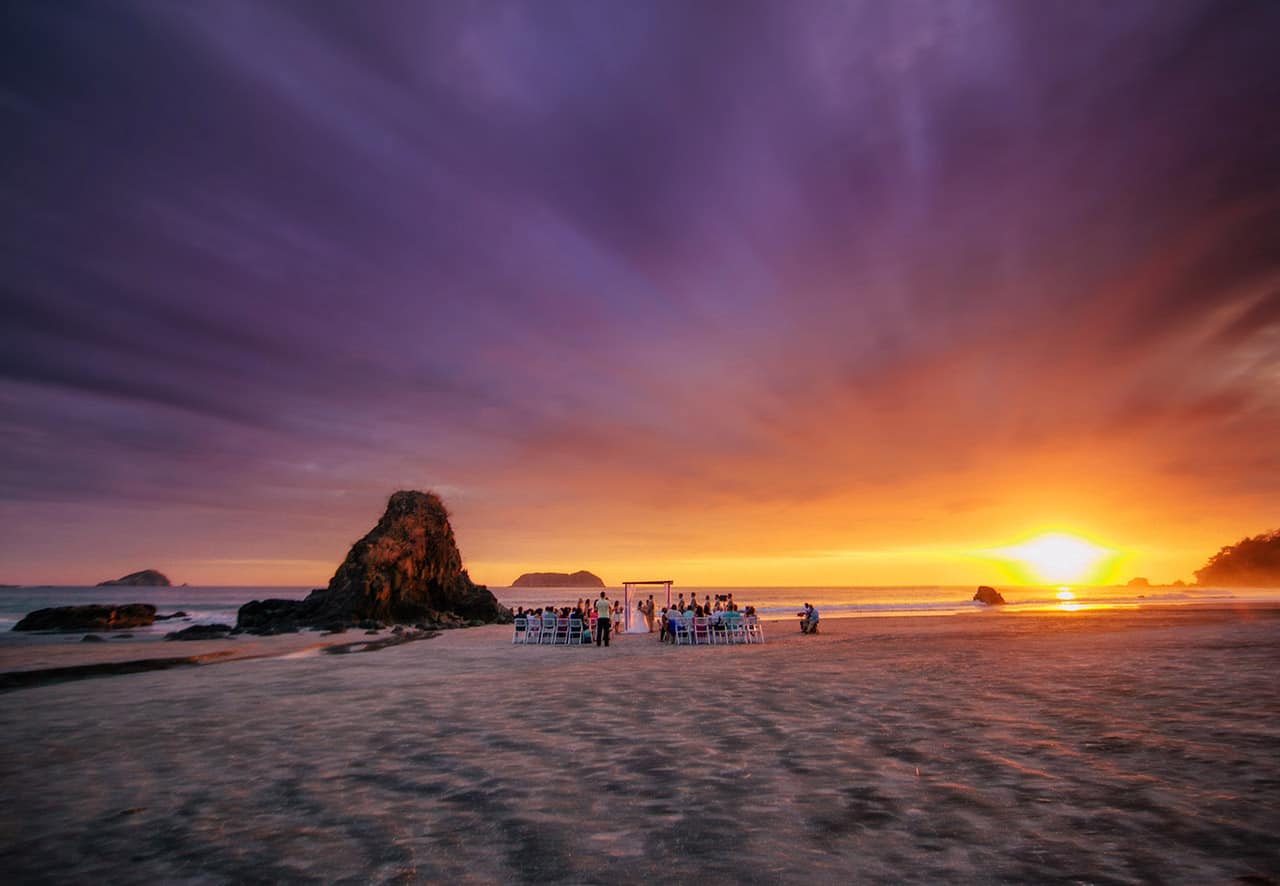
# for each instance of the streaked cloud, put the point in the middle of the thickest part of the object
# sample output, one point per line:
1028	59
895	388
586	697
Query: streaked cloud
639	282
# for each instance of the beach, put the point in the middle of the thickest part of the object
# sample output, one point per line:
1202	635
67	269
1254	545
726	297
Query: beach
1109	746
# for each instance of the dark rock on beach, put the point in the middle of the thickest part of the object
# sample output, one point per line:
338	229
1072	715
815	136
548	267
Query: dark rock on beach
988	595
200	632
579	579
271	616
178	614
91	638
88	618
407	569
147	578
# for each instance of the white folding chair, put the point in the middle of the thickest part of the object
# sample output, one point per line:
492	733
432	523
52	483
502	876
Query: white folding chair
519	630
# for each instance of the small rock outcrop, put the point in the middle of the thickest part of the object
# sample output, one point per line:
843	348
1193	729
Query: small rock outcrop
407	570
200	632
88	618
988	595
1138	583
147	578
579	579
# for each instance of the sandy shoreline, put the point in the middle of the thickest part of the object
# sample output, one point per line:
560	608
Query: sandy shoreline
1109	747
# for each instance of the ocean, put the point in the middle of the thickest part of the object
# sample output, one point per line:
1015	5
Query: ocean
210	605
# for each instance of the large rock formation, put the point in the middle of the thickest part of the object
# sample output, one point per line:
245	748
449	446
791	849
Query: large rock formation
579	579
88	618
406	570
988	595
147	578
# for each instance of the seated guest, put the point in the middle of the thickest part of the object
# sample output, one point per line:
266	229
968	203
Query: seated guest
809	620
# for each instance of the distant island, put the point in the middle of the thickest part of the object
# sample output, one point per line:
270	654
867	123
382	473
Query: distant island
579	579
147	578
1250	562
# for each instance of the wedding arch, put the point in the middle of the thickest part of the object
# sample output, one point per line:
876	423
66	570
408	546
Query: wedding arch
628	610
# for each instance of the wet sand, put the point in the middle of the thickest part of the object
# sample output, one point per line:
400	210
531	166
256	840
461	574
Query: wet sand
1111	747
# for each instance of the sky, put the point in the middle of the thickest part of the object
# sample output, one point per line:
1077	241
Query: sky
855	293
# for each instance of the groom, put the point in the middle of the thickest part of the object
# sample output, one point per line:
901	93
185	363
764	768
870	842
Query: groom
602	619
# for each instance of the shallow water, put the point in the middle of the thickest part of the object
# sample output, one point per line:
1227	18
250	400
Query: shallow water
1072	748
218	605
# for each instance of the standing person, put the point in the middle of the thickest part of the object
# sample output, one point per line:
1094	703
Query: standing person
602	619
648	613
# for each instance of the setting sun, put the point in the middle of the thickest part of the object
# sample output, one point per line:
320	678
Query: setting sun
1057	557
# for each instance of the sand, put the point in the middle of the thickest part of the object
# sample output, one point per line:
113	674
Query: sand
1116	747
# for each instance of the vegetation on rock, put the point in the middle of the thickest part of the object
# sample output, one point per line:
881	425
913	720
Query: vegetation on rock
1250	562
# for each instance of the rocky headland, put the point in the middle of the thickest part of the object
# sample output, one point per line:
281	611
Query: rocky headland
147	578
406	570
1250	562
579	579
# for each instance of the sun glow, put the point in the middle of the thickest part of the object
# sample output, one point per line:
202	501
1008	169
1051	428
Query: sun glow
1057	558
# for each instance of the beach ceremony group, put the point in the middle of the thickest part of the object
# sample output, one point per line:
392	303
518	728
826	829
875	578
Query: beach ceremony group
633	442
